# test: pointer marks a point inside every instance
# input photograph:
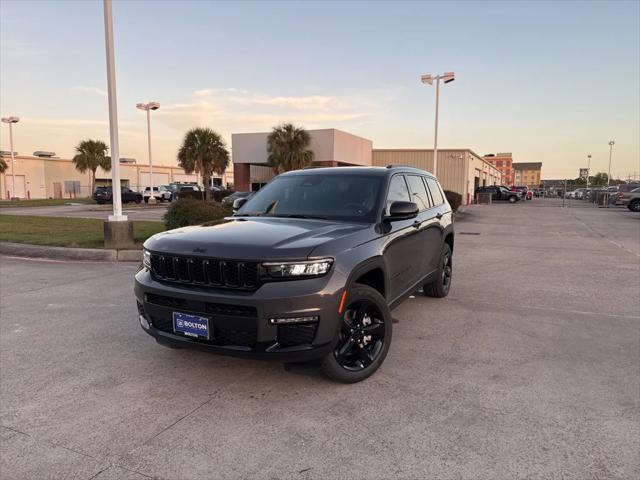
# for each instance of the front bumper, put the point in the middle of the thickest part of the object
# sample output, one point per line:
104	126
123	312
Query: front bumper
240	320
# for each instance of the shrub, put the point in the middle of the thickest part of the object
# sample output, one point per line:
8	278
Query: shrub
454	199
189	211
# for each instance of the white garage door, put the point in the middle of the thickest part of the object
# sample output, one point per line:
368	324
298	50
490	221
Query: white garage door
158	179
20	189
179	177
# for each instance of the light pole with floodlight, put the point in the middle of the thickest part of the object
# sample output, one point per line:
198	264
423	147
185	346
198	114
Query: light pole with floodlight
611	144
11	121
447	77
148	107
588	169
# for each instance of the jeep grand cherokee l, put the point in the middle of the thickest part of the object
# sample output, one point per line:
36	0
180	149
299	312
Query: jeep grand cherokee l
307	269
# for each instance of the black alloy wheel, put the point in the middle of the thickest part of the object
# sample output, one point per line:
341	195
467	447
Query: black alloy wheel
363	336
440	286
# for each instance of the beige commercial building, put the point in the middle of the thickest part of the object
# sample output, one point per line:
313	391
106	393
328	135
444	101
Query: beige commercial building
331	148
37	177
459	170
528	173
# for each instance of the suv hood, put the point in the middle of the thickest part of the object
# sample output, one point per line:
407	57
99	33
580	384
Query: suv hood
252	238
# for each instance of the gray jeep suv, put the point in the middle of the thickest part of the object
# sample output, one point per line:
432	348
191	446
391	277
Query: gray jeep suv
308	269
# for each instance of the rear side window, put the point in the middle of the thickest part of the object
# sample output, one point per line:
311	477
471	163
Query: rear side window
436	193
398	191
419	194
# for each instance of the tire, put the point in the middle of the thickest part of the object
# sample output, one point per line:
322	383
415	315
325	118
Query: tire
440	287
357	355
634	205
138	199
146	200
513	199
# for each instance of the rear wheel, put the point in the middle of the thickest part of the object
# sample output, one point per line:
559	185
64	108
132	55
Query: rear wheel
634	205
439	288
363	339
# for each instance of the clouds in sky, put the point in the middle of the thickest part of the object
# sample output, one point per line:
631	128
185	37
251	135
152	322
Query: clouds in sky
230	109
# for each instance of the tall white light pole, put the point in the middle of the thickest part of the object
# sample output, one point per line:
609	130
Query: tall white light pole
148	107
447	77
11	121
588	169
113	116
611	144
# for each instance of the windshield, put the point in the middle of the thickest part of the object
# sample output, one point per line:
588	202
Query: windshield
334	197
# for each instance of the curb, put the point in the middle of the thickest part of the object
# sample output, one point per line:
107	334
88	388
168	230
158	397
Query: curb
64	253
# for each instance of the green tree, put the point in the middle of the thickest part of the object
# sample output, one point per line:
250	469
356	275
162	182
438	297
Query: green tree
288	148
3	165
599	179
203	151
91	154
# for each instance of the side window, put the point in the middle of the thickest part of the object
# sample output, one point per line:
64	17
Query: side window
419	194
398	191
436	193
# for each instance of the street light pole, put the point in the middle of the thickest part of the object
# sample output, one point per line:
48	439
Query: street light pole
588	169
447	77
113	116
611	144
148	107
11	121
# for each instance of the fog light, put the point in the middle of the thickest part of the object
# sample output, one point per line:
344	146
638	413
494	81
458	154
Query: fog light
281	321
144	323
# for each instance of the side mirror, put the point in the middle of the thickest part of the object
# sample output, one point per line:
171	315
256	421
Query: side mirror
402	211
238	203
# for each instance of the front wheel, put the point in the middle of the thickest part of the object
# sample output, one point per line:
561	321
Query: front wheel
634	206
512	199
439	288
363	339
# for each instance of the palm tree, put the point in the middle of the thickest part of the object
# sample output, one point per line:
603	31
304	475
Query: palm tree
3	165
91	154
203	151
288	148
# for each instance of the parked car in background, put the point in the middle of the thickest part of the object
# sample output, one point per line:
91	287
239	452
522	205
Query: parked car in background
105	195
229	199
188	191
525	193
218	193
630	199
308	269
161	193
500	193
625	187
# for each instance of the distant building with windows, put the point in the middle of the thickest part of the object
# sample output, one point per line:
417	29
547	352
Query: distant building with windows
504	163
527	173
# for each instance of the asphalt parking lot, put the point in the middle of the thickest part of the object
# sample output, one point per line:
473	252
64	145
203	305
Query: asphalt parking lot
134	212
529	369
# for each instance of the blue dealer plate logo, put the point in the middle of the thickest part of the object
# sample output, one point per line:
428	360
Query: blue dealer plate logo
191	325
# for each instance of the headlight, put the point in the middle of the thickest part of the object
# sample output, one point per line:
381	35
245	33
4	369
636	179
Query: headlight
146	259
312	268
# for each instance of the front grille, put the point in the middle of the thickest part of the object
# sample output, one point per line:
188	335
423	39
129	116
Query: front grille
301	334
166	301
205	271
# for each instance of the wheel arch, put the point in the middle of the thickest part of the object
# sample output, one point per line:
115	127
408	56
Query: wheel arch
371	272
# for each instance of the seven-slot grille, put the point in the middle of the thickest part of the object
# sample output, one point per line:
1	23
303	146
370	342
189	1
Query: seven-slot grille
205	271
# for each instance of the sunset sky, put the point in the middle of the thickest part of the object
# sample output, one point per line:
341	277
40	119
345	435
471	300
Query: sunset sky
548	81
